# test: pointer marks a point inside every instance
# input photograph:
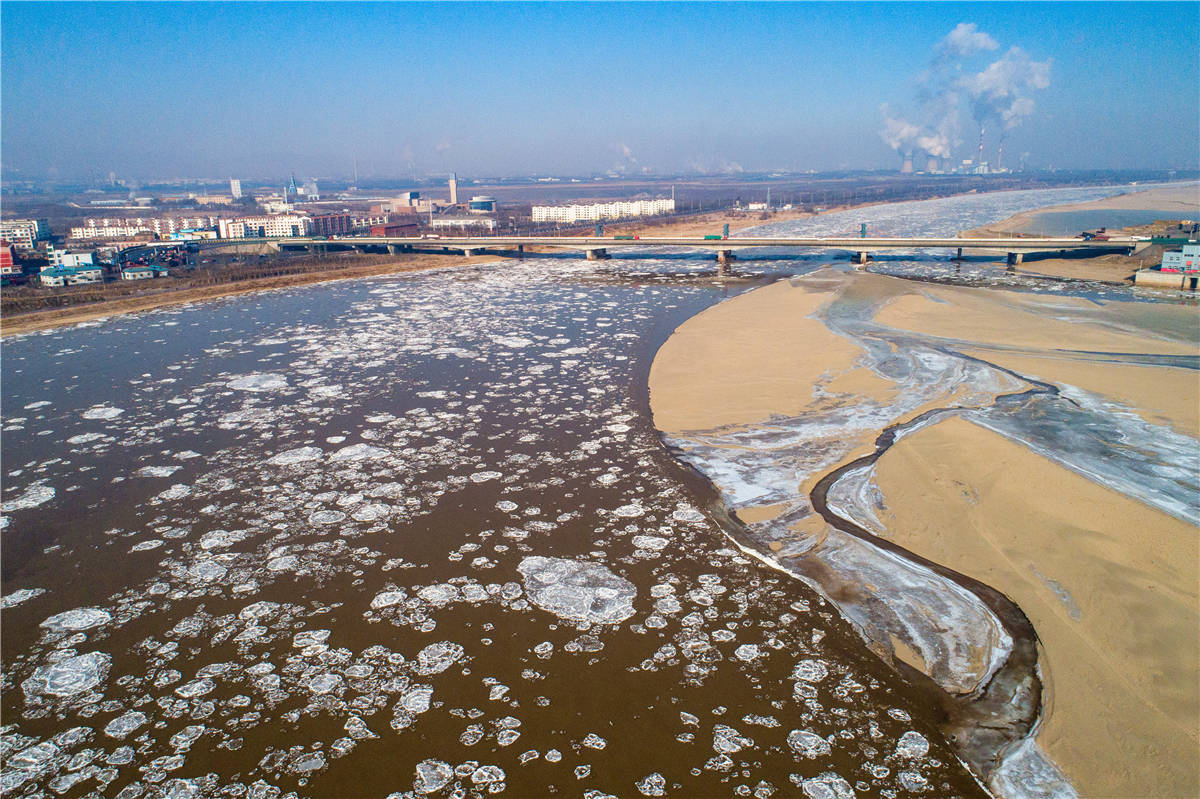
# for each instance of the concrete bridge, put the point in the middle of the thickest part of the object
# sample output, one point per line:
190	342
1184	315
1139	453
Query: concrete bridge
597	247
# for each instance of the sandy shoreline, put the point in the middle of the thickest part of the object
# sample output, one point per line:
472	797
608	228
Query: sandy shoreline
1108	581
1183	200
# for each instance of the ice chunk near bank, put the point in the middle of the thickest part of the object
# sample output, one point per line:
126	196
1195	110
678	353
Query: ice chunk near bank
432	775
912	744
258	382
68	677
577	590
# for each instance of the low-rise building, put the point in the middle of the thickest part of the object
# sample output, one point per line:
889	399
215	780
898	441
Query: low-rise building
142	273
69	276
395	229
1186	260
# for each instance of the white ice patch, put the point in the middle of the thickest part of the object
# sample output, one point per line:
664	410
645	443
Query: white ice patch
810	671
102	412
68	677
19	596
258	382
828	786
483	477
912	744
436	658
34	495
298	455
158	471
78	619
577	590
121	726
630	511
432	776
359	452
512	342
653	542
326	517
807	743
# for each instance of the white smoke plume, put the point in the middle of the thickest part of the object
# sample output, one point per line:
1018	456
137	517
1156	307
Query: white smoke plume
1000	92
997	95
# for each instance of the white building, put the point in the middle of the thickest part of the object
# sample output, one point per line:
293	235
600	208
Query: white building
264	227
65	259
22	233
235	188
566	214
161	227
462	223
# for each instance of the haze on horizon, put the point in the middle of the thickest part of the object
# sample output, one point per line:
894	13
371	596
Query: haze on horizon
260	90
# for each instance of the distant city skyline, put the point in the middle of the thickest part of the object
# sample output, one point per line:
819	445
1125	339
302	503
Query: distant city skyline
253	91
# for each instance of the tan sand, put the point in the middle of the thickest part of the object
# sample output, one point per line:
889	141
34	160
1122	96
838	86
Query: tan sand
1040	323
1122	676
743	360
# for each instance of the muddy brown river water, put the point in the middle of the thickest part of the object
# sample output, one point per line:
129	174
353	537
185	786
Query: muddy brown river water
417	536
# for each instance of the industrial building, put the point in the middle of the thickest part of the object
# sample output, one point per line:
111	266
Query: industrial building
331	224
566	214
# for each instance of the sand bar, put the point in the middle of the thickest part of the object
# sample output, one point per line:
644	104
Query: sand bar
1109	582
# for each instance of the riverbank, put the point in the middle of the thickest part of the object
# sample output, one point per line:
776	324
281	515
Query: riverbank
153	299
1182	202
774	387
73	315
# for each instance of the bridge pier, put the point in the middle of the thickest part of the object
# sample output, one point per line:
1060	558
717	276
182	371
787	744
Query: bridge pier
597	254
861	257
469	251
521	250
1015	258
958	257
395	249
724	259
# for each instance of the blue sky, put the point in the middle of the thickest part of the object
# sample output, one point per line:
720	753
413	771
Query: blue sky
213	89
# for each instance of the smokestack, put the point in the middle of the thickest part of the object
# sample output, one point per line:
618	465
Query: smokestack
932	166
907	167
999	155
980	159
